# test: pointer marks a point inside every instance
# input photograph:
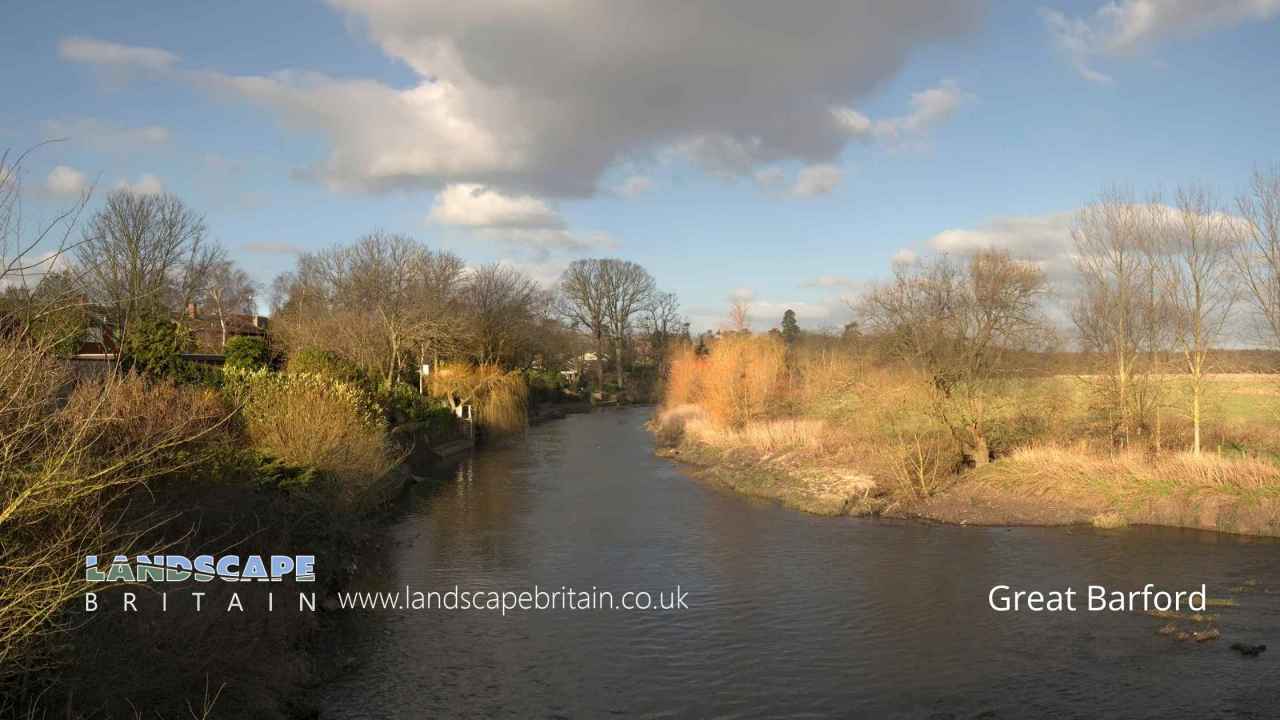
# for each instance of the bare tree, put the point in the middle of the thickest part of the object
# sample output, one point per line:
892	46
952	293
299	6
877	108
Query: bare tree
956	323
505	308
230	290
146	253
1257	249
628	287
39	298
376	302
1116	311
583	302
1199	284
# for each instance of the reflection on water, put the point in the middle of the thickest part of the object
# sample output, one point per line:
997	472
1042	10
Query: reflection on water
790	615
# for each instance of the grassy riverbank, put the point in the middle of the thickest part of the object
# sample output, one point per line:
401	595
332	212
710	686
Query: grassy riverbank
1038	485
836	431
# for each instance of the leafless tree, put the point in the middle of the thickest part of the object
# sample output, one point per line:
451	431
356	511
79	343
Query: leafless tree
146	253
1199	283
1118	310
229	290
37	294
956	323
628	288
376	302
662	322
505	308
583	302
1257	249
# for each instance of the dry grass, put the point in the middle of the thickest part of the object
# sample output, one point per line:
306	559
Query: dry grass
767	437
742	379
1043	469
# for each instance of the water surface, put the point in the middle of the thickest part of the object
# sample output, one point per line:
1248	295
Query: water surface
790	615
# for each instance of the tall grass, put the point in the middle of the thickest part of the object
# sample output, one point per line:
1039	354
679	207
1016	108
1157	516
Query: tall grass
742	379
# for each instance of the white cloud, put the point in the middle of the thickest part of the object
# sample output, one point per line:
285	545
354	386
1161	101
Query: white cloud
635	186
764	315
1042	239
833	281
269	247
472	205
1128	27
34	267
101	53
107	137
521	221
542	99
541	242
816	180
147	184
904	256
64	180
929	108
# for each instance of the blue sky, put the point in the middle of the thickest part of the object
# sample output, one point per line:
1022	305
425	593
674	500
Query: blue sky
730	148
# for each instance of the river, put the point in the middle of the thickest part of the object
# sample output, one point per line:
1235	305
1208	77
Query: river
789	615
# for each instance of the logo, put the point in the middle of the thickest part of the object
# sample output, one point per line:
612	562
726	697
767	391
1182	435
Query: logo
201	568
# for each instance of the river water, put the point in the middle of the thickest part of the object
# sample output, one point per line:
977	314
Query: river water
789	615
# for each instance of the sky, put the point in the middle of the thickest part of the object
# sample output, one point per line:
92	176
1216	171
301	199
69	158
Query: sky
783	153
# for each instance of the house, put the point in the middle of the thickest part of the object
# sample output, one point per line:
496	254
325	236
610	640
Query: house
206	328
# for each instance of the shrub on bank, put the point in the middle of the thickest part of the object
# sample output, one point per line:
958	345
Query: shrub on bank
246	353
311	421
328	364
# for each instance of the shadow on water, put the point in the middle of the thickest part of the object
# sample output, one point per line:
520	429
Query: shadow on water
789	615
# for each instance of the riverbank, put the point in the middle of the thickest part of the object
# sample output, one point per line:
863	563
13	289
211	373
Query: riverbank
1037	485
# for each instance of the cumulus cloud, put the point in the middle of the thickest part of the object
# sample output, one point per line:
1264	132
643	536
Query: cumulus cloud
146	184
64	180
102	53
542	99
473	205
108	137
521	221
929	108
1128	27
810	181
1042	239
816	180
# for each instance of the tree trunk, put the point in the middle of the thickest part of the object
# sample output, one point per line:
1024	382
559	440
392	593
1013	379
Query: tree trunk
600	364
1195	414
618	345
